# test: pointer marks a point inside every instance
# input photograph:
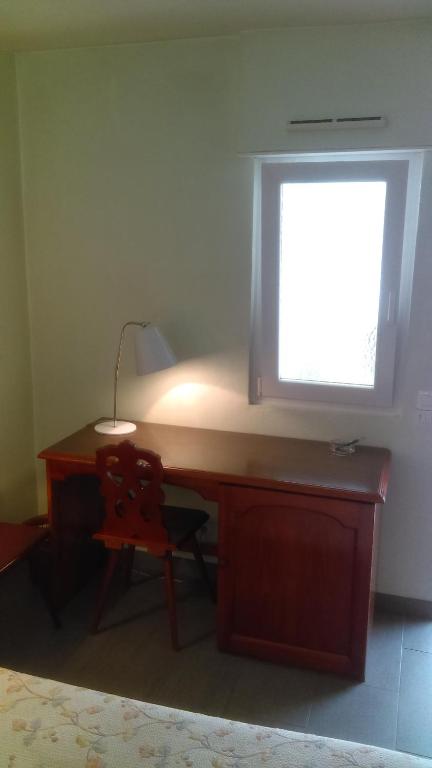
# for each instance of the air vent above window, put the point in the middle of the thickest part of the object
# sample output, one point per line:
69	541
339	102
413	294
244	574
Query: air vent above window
324	123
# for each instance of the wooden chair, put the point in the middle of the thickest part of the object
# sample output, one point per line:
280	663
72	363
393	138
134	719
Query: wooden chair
131	481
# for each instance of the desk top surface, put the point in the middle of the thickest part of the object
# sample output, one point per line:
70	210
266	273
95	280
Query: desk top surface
279	463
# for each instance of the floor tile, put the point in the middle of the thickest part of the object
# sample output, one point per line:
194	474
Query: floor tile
267	694
384	654
415	705
360	713
194	684
418	635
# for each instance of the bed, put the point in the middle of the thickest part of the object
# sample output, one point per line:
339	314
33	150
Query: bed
45	724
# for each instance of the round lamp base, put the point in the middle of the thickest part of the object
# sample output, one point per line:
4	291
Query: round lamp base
120	427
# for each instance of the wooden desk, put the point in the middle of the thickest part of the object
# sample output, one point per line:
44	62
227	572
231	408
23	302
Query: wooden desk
297	534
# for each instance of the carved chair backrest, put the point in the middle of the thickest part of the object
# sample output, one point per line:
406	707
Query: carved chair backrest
131	480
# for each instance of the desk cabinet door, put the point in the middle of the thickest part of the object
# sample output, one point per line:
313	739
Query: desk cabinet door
295	578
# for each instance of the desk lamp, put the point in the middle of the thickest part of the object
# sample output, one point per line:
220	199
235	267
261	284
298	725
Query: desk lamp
152	353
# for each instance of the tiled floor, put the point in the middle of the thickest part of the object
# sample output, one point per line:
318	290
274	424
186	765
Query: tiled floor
393	708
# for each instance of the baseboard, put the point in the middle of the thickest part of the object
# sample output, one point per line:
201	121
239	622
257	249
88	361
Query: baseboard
406	606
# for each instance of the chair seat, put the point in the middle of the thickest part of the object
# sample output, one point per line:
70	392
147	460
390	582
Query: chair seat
182	522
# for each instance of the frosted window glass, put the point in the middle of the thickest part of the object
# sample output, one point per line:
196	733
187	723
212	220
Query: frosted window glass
330	274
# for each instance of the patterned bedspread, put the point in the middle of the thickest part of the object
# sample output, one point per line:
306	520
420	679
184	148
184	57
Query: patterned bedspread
44	724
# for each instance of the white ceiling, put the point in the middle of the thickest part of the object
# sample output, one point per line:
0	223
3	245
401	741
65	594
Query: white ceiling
36	24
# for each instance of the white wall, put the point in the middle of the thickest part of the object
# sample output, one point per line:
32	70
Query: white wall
17	477
137	206
371	69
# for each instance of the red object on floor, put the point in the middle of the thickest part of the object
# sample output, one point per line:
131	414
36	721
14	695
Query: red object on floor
16	541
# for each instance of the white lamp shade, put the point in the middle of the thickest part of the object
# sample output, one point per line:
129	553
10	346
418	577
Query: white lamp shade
152	351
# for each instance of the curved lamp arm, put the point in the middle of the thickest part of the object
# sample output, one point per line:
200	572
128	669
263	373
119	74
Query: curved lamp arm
117	365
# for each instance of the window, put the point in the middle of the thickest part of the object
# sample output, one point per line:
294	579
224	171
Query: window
327	277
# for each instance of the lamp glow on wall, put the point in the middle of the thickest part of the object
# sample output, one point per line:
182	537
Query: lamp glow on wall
152	353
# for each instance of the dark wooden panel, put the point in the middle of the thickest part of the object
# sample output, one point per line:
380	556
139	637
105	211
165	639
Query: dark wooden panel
73	557
295	577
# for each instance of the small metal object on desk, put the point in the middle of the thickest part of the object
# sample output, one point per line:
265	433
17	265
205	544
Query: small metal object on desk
343	447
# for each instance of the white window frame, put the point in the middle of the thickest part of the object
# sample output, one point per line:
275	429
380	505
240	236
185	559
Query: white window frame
270	173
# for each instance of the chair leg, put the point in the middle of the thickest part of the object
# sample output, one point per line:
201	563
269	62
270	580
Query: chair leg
171	603
128	565
113	560
202	567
